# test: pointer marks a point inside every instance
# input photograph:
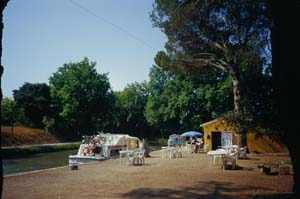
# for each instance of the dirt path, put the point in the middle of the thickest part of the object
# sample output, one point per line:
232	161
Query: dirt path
187	177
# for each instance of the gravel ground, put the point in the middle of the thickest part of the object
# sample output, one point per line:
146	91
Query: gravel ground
187	177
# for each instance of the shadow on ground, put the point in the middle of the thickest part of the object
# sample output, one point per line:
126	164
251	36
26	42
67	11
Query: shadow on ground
275	196
203	190
229	167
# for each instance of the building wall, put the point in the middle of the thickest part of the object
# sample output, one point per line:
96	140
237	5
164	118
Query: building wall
216	125
264	145
260	145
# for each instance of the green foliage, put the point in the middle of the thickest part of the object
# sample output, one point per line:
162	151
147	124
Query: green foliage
260	114
159	78
182	103
81	97
10	113
204	34
130	105
162	141
48	123
7	111
34	99
228	36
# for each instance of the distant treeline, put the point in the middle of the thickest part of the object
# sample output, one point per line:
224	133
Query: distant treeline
79	101
217	62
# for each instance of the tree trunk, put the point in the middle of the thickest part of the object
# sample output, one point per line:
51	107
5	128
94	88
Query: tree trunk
3	4
285	42
12	133
236	90
238	111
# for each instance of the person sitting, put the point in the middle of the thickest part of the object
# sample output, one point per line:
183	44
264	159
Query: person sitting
200	145
195	145
144	145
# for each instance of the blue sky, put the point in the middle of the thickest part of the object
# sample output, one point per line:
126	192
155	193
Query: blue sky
41	35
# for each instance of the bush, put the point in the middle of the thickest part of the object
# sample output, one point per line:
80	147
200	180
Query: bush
162	141
157	144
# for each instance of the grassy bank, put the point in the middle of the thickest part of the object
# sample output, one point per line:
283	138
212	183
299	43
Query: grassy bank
17	151
26	136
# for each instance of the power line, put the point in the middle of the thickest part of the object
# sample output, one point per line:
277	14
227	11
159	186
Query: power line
112	24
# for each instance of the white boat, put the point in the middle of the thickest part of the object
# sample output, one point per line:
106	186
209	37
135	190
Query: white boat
103	146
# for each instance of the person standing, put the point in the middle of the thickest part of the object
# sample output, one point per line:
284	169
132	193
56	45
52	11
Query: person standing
194	144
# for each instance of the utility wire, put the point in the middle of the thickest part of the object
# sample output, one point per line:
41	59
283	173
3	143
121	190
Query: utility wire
112	24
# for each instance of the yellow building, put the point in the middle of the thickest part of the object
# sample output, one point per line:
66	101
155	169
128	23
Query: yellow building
218	133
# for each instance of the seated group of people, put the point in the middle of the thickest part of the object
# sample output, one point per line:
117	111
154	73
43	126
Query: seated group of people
196	144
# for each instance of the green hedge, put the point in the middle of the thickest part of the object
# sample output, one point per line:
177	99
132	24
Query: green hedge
18	151
157	144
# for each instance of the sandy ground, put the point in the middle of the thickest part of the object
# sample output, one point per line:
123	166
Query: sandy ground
187	177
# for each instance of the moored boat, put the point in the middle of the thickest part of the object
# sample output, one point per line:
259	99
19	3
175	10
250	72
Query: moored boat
103	146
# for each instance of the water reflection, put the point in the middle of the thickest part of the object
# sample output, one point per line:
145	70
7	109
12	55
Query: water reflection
37	161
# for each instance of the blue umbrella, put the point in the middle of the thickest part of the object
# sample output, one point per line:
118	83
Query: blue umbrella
192	134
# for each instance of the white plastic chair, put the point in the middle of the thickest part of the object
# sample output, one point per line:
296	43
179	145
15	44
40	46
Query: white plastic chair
230	158
243	152
137	157
189	148
140	157
175	152
130	157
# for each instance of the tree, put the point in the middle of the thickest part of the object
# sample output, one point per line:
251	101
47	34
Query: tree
157	101
11	114
48	123
177	103
81	97
211	34
245	30
131	104
285	42
159	78
3	4
35	100
257	98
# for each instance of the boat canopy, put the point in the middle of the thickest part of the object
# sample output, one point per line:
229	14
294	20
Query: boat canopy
118	139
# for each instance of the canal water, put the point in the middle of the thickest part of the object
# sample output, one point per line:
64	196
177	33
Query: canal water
37	161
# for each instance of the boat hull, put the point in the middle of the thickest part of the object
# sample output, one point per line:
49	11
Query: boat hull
76	159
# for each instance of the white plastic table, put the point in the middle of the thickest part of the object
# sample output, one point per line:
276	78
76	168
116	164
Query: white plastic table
170	151
230	148
124	153
215	154
164	151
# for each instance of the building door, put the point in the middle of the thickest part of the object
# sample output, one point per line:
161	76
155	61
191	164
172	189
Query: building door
215	139
226	139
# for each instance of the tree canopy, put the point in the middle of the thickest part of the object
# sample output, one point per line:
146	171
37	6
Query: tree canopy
34	99
205	35
177	103
130	105
81	97
10	113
